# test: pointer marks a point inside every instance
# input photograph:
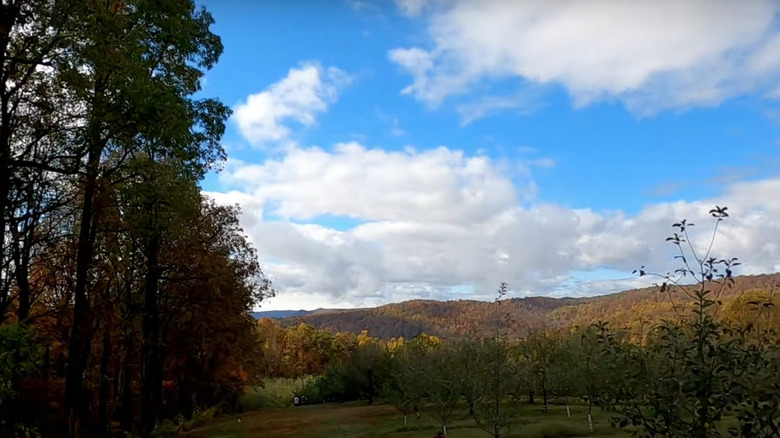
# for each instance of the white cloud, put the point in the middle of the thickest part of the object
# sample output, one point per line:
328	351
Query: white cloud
412	7
300	97
368	8
425	222
649	54
523	102
374	184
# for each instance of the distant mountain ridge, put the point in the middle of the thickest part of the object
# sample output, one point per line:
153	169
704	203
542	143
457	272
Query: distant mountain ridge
277	314
281	314
463	317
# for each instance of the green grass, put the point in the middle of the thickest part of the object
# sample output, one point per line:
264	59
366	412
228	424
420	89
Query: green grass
355	420
275	393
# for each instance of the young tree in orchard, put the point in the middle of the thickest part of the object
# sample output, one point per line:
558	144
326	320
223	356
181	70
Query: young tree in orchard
501	384
497	377
752	321
537	352
441	386
757	396
405	386
467	367
589	371
565	371
688	375
426	379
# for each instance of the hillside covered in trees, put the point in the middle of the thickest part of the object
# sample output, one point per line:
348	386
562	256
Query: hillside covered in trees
448	319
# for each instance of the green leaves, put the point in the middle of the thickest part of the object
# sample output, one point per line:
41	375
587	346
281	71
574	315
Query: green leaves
19	356
692	372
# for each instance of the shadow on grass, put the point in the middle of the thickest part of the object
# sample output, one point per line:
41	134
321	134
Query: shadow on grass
355	420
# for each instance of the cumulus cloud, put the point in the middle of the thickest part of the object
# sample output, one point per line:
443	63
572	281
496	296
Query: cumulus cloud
650	55
376	185
423	224
304	93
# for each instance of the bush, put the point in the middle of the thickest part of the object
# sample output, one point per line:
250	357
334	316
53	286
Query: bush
19	356
23	431
199	418
275	393
168	429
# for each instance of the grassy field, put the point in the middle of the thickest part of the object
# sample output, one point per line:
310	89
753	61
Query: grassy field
275	393
352	420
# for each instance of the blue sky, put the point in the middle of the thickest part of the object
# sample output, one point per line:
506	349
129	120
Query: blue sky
385	151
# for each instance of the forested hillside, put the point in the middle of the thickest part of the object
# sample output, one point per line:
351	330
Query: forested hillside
630	308
463	317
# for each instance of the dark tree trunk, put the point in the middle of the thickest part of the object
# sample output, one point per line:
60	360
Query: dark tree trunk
127	414
23	285
5	184
78	350
22	249
186	393
370	385
531	397
125	392
152	368
22	232
46	367
103	426
8	16
5	190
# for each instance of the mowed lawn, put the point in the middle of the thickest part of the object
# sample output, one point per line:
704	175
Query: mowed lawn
360	420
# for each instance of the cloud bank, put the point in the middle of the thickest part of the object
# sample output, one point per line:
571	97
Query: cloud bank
650	55
429	224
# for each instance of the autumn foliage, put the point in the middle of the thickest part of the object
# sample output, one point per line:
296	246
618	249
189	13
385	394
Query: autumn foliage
125	294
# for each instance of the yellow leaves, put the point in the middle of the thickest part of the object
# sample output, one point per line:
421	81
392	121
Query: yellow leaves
394	344
364	339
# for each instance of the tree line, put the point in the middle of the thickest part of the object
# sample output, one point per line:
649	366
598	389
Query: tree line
125	294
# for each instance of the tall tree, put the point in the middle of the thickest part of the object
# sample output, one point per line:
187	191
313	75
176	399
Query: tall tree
133	70
160	205
33	120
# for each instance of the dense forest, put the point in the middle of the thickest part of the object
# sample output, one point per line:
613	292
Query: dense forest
125	294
